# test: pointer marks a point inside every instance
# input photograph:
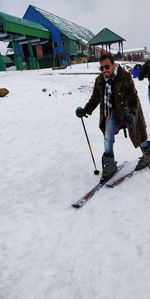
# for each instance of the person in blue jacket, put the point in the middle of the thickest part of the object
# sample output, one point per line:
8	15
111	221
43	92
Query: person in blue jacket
135	72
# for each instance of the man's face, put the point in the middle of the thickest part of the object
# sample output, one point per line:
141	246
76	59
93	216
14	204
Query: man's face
107	68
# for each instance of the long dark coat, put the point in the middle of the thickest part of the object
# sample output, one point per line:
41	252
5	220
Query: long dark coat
126	101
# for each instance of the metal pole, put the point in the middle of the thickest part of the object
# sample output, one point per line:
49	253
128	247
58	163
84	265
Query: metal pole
96	171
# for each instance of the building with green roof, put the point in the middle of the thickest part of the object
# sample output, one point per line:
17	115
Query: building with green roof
19	32
67	38
42	39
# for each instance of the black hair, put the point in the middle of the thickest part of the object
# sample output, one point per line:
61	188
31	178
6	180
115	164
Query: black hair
106	56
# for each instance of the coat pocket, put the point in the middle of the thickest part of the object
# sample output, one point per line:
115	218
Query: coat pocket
122	104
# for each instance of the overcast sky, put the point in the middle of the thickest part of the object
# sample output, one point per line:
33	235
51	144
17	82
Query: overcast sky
128	18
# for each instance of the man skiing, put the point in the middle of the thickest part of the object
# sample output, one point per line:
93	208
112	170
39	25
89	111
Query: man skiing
145	73
120	108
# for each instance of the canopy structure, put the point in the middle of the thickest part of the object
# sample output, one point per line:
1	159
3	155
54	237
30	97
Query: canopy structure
106	38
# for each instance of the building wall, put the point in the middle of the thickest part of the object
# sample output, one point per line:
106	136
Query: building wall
69	45
33	15
39	50
63	49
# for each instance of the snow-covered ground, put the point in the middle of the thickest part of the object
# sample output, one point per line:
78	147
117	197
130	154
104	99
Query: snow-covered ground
48	250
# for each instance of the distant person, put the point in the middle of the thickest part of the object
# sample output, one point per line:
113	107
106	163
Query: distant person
145	73
135	72
103	51
120	107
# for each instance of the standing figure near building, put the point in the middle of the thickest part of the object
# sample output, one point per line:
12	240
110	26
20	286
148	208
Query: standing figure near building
145	73
120	107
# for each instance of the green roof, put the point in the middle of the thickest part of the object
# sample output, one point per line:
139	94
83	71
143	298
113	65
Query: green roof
71	30
22	26
106	36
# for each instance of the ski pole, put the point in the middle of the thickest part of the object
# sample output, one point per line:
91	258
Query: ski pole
96	171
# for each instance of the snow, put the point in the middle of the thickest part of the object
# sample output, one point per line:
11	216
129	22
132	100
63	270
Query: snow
3	48
48	249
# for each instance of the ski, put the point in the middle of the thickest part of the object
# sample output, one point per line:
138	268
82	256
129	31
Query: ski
85	198
119	180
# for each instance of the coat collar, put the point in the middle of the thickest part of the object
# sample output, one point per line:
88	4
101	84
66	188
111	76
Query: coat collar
118	77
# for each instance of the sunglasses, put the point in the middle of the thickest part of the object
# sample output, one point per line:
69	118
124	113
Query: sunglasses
104	67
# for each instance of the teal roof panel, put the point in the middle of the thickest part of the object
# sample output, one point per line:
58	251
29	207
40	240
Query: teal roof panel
23	26
106	36
70	29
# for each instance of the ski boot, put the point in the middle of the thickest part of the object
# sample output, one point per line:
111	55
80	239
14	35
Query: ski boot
109	167
144	161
